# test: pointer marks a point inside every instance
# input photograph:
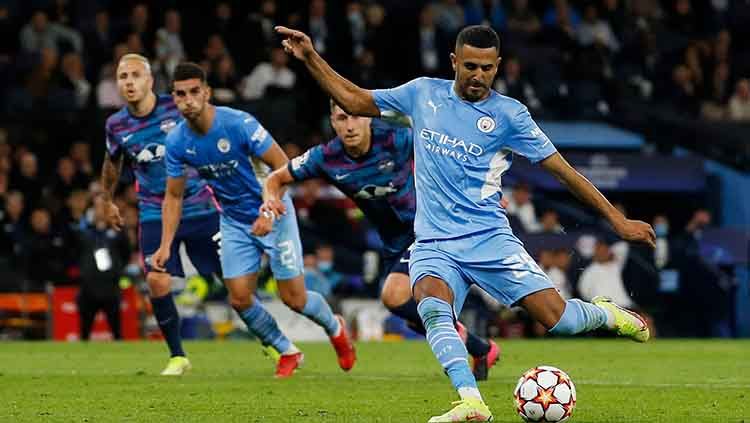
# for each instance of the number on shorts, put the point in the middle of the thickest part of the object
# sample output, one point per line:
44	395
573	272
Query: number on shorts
522	264
217	239
287	255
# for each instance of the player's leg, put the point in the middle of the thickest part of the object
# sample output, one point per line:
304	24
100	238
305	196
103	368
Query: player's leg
575	316
284	249
396	296
160	294
240	262
439	288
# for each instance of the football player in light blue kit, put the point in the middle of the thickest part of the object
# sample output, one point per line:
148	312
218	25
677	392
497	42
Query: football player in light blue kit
465	136
233	152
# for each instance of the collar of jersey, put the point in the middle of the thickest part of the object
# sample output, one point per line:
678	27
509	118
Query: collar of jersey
147	115
453	95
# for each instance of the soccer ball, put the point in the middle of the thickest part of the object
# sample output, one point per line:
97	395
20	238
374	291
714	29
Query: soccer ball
545	394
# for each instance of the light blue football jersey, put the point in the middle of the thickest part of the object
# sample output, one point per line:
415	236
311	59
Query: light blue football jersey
461	151
227	157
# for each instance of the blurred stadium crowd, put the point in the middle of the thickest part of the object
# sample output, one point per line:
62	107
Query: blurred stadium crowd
675	70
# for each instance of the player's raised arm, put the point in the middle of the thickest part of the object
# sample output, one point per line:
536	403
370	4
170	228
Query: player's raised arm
630	230
353	99
171	211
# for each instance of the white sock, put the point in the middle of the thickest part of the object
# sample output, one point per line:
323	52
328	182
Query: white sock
466	393
291	350
338	331
610	324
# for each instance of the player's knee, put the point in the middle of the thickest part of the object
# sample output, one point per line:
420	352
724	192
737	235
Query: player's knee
431	286
395	293
240	302
294	299
159	284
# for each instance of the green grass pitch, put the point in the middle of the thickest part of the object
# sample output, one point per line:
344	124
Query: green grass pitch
617	381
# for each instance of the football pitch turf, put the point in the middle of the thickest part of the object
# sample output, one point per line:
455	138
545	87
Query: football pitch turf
616	380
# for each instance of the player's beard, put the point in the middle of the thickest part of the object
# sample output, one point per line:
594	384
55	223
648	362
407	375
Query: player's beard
474	92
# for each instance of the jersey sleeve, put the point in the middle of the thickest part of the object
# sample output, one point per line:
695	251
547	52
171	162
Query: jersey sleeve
175	163
254	136
400	99
114	148
527	139
307	166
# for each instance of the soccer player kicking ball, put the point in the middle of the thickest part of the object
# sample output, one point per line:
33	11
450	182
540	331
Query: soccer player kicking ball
371	163
232	152
137	133
465	135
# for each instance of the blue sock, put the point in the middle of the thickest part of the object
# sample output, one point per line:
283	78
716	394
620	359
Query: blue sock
317	309
437	317
168	319
264	326
579	316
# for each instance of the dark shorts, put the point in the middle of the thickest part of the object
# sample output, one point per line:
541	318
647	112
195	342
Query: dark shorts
397	263
198	236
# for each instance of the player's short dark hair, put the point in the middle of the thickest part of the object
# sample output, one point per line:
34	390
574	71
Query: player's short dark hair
189	70
479	36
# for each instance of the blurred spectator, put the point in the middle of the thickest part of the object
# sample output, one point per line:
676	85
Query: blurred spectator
550	223
661	230
485	12
449	16
326	265
683	19
103	254
318	27
513	84
138	30
684	93
107	95
595	30
357	28
75	214
12	227
613	11
431	42
66	181
169	48
223	81
42	79
45	253
99	42
41	34
521	207
739	103
604	275
215	49
80	152
522	20
275	73
8	36
714	107
74	79
561	14
555	264
27	180
260	27
314	278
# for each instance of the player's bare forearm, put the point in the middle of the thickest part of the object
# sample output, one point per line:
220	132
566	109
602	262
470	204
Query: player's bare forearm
276	184
582	188
353	99
111	170
171	210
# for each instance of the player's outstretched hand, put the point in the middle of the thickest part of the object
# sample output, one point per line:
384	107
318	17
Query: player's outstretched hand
636	230
114	220
159	259
263	224
295	42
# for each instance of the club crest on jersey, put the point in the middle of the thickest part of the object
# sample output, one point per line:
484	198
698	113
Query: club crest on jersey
167	125
486	124
386	166
223	145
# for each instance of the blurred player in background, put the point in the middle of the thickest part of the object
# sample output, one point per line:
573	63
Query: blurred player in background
137	134
465	135
371	162
233	152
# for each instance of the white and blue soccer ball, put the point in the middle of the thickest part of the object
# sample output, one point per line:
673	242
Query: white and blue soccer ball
545	394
